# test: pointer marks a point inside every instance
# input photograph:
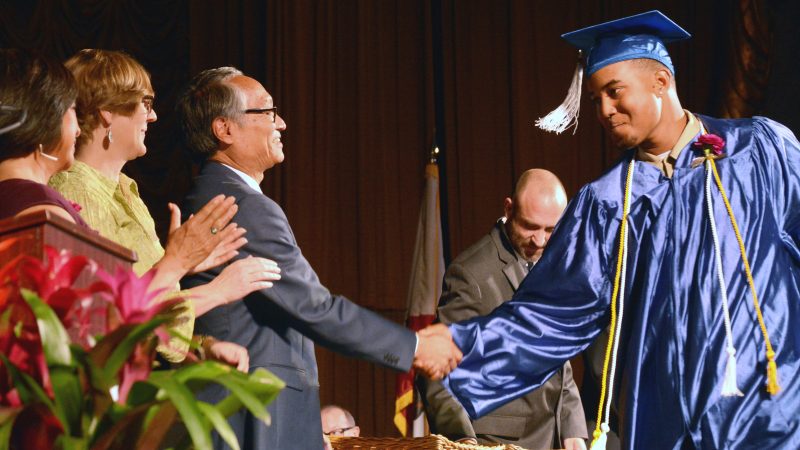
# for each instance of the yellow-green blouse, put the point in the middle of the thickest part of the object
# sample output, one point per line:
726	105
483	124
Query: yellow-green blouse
117	212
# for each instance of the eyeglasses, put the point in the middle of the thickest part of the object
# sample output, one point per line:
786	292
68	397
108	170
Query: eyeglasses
271	112
147	101
338	431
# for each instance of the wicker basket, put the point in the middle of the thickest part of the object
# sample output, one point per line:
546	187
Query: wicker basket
432	442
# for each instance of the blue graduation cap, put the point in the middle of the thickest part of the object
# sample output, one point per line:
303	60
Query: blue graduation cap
634	37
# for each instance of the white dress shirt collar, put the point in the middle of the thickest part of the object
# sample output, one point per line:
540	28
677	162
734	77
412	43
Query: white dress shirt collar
246	178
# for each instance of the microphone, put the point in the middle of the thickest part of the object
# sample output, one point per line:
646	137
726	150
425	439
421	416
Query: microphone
50	157
11	109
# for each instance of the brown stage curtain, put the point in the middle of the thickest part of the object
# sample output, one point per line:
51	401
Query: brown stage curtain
354	81
746	85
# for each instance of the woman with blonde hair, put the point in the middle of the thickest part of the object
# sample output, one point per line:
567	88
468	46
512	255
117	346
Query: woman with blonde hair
114	108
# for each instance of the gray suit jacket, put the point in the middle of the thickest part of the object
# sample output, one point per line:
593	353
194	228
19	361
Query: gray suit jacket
479	280
280	325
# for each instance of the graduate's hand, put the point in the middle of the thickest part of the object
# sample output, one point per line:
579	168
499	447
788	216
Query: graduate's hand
436	355
574	444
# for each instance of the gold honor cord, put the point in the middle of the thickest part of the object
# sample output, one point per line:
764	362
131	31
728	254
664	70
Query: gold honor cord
599	435
772	369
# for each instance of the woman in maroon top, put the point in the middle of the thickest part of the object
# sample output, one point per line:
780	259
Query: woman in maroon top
39	96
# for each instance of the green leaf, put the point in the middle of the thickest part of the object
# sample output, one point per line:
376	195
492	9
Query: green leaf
260	382
31	392
185	403
127	425
113	350
7	418
95	401
55	340
142	393
57	354
158	422
125	347
68	398
66	442
5	435
256	404
9	413
29	389
252	391
220	424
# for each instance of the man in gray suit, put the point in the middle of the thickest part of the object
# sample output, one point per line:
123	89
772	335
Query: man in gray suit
480	279
231	123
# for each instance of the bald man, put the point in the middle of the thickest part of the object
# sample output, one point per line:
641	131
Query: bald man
480	279
337	421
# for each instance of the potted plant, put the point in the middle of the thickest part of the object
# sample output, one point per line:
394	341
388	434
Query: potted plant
58	373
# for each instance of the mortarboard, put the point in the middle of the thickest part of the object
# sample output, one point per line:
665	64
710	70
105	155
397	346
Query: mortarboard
634	37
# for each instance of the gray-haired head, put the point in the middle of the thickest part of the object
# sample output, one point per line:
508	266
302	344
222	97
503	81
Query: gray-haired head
207	97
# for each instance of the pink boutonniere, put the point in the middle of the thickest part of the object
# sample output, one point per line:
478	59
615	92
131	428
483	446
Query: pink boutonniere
75	206
709	144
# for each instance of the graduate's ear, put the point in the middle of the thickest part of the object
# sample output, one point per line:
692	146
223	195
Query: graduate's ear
221	127
663	80
508	208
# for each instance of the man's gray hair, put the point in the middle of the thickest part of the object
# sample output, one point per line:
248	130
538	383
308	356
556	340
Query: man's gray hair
208	97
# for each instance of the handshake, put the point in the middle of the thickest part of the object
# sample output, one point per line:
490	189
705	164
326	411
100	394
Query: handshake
436	355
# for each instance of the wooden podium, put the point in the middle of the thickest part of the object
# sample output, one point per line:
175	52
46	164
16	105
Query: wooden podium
42	228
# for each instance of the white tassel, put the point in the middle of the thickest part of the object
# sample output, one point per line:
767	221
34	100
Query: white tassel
566	115
729	387
599	442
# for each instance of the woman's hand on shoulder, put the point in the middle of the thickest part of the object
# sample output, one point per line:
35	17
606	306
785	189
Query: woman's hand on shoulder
228	353
245	276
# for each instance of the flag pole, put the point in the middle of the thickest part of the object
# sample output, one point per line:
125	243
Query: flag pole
425	288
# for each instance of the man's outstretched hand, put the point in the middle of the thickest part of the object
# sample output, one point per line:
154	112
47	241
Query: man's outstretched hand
436	355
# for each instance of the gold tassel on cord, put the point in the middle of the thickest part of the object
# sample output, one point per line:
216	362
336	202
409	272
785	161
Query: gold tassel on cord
772	374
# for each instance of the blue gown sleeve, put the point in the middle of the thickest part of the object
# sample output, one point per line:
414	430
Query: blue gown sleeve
780	145
561	306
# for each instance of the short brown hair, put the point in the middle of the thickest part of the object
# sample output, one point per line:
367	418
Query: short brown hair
107	80
42	88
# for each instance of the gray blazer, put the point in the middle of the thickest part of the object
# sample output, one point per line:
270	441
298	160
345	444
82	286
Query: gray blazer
280	325
479	280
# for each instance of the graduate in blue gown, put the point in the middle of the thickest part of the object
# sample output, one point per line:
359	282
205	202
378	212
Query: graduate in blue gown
690	358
